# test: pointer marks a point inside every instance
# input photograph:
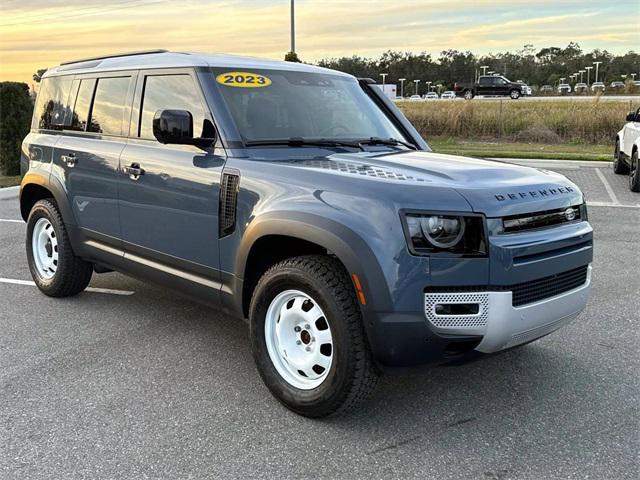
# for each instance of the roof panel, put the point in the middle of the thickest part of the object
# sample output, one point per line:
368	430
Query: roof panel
179	60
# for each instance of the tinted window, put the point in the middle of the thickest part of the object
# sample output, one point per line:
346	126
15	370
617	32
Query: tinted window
109	105
485	81
170	92
52	109
82	104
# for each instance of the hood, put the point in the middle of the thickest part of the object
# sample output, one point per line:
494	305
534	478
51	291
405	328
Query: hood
491	187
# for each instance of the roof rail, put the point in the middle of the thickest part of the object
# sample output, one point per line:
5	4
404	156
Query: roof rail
115	55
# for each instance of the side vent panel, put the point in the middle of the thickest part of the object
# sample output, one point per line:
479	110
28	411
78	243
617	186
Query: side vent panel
228	202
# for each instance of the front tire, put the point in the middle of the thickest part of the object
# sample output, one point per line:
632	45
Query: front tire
468	95
619	166
634	173
308	339
514	94
56	271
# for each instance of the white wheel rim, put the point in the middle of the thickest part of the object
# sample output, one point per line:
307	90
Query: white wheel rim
298	339
44	246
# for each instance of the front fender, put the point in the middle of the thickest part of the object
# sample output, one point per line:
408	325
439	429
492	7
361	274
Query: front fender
349	247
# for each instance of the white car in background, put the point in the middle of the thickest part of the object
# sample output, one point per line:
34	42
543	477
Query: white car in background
625	155
448	94
581	88
415	98
564	88
598	87
431	96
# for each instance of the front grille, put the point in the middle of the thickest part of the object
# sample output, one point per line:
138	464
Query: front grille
531	291
550	286
533	221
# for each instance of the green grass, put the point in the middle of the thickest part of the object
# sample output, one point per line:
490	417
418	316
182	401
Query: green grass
9	181
494	149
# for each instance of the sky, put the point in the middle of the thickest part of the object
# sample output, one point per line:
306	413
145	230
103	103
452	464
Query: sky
42	33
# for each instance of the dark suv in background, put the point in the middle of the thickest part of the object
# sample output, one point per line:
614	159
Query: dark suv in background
302	199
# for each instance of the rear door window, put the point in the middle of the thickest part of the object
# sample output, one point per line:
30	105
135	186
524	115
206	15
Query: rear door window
170	92
82	104
107	113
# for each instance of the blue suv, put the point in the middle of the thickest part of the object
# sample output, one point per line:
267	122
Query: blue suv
302	199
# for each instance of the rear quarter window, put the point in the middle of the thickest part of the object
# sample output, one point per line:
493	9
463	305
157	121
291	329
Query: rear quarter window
52	110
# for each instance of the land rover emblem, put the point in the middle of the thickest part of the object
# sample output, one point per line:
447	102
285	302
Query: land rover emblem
570	214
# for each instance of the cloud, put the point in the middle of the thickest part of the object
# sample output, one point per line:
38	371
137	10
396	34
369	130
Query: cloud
39	33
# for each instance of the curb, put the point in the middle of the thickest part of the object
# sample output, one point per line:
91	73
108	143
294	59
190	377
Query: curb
9	192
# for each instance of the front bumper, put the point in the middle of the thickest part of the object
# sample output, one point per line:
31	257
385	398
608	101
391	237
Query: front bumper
498	322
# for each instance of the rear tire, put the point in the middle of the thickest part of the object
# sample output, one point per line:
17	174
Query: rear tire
56	271
634	173
619	166
288	340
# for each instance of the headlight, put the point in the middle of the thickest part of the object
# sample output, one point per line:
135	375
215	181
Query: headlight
455	234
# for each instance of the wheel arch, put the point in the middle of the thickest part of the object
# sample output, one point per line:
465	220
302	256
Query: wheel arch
36	187
293	234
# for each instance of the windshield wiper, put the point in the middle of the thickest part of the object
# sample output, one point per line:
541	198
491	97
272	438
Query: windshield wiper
386	141
305	142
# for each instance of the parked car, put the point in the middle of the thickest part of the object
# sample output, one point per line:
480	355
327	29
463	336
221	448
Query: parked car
546	89
564	89
414	98
489	85
448	94
598	87
617	84
526	89
581	88
431	96
625	154
301	199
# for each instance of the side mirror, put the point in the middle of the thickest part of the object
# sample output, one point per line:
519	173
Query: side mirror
631	117
176	127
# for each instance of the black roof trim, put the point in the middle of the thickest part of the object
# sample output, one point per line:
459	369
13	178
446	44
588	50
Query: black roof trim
115	55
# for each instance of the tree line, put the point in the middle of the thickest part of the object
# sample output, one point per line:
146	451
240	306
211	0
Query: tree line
545	66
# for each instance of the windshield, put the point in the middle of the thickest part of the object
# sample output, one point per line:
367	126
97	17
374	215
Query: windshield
279	104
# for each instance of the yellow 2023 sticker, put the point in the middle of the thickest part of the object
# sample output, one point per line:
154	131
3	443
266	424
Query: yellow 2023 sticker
243	80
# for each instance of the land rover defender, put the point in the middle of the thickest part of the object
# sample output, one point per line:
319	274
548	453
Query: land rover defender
301	199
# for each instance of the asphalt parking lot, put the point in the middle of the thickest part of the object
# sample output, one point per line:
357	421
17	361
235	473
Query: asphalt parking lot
134	382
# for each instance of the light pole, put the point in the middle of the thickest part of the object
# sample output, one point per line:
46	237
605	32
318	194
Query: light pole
293	27
484	69
428	86
588	69
401	80
416	82
384	76
582	75
597	64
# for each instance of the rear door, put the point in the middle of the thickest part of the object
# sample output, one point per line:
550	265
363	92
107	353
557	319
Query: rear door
169	213
86	158
485	86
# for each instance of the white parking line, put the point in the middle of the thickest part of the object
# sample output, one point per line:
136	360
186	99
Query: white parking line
610	205
610	191
109	291
10	220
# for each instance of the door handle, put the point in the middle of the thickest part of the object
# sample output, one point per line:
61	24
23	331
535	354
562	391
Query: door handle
134	171
69	160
